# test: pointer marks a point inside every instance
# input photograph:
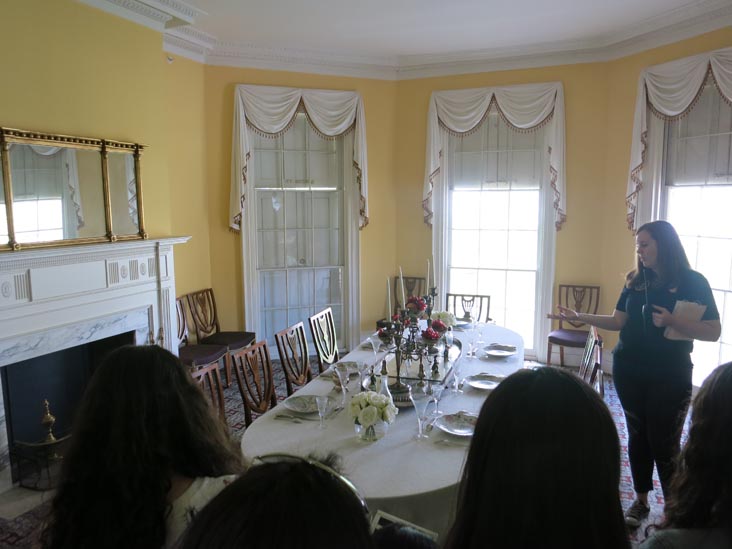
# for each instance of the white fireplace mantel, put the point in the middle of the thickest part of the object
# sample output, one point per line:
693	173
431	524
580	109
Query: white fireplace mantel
57	298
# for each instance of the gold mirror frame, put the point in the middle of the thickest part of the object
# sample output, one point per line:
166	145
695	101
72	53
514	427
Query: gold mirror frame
104	147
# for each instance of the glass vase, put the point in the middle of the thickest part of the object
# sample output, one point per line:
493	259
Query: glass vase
372	433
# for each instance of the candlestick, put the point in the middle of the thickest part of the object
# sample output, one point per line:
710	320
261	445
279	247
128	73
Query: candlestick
401	280
388	299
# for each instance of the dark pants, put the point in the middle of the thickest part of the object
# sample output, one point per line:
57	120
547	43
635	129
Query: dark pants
655	401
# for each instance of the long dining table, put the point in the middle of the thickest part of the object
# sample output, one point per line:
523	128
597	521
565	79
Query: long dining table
414	479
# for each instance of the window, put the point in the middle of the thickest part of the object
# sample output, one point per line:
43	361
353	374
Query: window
696	199
299	212
35	220
494	201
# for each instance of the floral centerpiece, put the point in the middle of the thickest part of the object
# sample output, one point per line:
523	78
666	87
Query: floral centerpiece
439	326
385	335
369	408
416	304
430	336
443	316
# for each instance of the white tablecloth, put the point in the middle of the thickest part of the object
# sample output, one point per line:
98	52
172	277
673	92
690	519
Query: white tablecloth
413	479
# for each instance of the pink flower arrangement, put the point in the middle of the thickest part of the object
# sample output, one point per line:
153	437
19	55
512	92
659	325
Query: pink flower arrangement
416	303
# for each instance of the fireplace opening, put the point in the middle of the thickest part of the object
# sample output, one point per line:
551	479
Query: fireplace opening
59	379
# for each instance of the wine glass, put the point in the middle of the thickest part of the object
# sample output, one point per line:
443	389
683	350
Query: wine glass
437	390
420	400
343	374
456	377
322	402
375	346
479	342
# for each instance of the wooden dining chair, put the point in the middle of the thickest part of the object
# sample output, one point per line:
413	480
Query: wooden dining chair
325	339
292	346
590	356
202	306
255	377
194	355
466	307
581	298
209	380
413	285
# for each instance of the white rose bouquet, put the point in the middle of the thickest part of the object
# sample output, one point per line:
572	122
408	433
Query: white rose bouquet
369	407
446	317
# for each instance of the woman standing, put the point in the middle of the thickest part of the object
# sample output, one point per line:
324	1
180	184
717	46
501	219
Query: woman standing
651	372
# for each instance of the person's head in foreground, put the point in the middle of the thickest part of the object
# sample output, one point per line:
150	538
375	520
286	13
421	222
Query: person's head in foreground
701	489
543	468
284	502
142	423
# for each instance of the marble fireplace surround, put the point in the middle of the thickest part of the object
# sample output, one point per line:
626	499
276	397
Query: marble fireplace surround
57	298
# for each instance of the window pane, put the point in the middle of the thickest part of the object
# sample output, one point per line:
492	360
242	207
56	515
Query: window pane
494	249
493	210
272	286
522	246
465	247
300	289
463	281
524	210
465	210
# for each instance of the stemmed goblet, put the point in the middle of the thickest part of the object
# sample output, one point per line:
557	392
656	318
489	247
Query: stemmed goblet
420	400
343	374
437	390
322	402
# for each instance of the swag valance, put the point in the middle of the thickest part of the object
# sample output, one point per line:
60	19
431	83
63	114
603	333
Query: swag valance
668	91
525	107
271	111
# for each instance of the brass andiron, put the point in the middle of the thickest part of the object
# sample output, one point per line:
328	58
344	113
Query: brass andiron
47	421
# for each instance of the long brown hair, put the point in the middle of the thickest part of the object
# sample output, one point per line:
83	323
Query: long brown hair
701	490
544	442
671	260
141	420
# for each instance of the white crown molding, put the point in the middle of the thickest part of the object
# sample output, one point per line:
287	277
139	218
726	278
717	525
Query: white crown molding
315	62
176	20
154	14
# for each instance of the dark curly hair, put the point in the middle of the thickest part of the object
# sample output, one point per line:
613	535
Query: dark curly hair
544	443
141	420
701	490
671	260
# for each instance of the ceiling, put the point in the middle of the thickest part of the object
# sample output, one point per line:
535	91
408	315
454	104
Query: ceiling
417	38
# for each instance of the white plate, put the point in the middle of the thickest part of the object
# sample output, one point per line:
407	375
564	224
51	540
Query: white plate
484	382
500	351
306	404
461	423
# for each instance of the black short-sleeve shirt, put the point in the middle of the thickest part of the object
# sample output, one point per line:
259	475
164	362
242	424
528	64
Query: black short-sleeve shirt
643	341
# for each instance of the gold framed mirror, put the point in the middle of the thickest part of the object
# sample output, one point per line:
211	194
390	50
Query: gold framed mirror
59	190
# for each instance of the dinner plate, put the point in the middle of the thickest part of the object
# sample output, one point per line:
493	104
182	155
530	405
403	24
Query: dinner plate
485	382
499	350
306	404
460	423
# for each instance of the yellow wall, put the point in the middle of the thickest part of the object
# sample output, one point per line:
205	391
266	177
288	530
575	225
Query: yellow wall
70	68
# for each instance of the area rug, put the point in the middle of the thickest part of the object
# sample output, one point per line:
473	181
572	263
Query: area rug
23	531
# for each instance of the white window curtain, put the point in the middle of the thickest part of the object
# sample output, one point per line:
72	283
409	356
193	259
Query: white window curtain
270	111
666	92
525	107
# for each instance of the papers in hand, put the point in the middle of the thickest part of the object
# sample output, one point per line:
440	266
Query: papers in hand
686	310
